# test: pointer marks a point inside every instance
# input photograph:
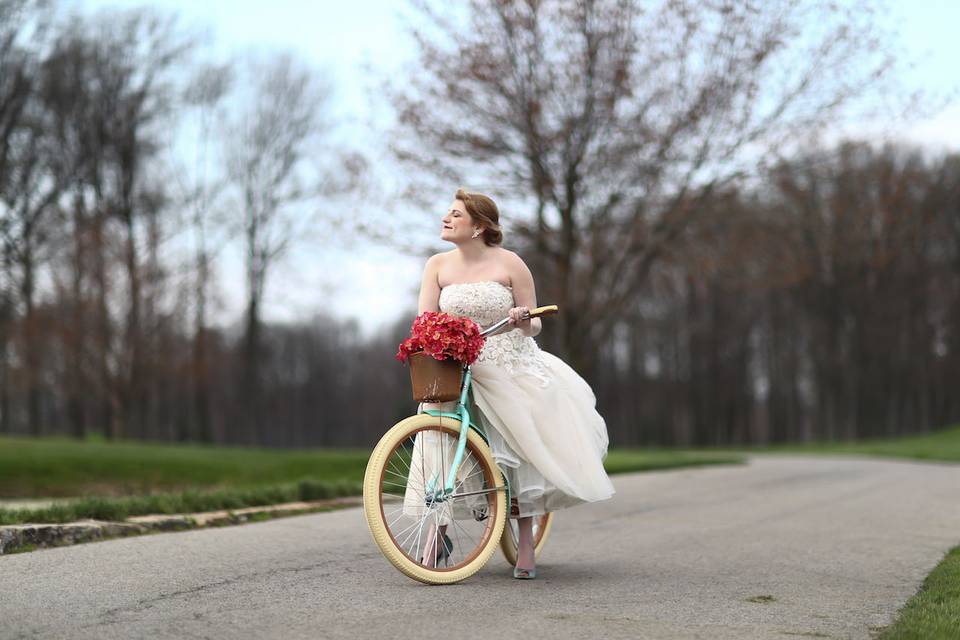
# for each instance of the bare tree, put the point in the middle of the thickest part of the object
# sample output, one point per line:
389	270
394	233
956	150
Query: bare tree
206	94
268	149
138	53
605	125
15	93
107	86
33	174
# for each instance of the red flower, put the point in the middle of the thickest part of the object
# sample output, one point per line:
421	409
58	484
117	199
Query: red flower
443	336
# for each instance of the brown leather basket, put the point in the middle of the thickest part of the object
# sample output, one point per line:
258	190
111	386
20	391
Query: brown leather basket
434	380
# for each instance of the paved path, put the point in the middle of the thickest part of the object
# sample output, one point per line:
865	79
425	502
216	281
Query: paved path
838	543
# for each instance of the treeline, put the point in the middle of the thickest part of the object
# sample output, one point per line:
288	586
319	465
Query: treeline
823	303
819	298
722	278
125	175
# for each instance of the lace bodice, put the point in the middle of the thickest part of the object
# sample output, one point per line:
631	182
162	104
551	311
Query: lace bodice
485	303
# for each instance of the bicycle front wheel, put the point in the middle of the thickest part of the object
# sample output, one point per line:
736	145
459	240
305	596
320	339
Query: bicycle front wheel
430	538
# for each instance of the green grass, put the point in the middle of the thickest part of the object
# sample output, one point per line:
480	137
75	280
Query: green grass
940	445
60	467
934	612
653	459
190	501
117	480
112	481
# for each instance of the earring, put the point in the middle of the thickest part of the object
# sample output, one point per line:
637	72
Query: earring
476	232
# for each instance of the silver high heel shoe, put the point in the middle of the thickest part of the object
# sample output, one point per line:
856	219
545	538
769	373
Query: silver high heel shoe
524	574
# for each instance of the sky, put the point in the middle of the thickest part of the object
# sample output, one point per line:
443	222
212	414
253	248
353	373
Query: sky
357	279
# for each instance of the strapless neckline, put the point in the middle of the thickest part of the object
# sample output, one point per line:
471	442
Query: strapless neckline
464	284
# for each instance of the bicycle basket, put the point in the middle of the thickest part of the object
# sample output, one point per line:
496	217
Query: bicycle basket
434	380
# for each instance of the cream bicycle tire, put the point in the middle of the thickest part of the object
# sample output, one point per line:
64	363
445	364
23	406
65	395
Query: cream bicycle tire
373	500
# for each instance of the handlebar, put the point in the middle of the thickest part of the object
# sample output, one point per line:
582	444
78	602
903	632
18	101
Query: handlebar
548	310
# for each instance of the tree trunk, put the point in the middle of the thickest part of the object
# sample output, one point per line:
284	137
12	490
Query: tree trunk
200	368
109	401
251	373
5	322
76	391
132	393
29	333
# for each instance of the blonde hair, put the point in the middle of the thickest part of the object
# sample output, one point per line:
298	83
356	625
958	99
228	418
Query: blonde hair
484	212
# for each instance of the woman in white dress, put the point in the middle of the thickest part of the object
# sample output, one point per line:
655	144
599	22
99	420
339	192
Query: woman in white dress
537	412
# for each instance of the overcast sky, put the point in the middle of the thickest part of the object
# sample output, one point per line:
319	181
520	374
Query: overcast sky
342	37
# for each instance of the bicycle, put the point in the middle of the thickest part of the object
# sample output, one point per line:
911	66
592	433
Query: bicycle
433	472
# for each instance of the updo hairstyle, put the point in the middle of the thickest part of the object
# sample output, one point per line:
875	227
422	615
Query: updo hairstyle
484	212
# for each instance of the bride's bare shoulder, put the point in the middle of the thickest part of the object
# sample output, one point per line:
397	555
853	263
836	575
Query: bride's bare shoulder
516	268
438	259
508	257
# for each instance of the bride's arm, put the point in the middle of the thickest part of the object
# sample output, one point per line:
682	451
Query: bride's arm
524	295
430	286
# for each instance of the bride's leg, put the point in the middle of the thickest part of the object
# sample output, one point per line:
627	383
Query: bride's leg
428	555
525	552
434	539
431	546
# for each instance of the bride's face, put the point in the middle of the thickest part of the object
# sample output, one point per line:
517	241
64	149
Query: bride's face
457	224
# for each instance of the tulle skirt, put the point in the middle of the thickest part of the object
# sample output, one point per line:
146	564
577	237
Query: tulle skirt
546	435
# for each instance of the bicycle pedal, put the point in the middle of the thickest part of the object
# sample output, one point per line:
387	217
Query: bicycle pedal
480	515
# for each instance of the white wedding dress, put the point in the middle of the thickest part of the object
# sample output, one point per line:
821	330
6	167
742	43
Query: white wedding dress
538	413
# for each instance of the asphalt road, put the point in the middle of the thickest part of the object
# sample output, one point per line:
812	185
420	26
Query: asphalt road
783	547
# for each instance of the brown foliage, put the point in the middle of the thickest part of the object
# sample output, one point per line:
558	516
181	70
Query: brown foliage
607	125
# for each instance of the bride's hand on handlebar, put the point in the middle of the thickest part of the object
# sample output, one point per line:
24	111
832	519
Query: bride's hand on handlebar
516	315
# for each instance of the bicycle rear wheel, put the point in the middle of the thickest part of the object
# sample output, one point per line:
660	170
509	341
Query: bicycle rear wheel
405	468
510	538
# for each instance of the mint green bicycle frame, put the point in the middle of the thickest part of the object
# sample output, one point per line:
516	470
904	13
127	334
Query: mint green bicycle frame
463	415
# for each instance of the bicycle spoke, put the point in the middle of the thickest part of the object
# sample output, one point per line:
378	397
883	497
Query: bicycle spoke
405	529
415	549
399	513
415	523
403	476
400	472
466	533
436	537
419	530
460	484
443	459
456	535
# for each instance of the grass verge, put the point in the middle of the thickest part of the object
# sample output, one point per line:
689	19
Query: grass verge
934	612
629	460
117	509
61	467
942	445
134	478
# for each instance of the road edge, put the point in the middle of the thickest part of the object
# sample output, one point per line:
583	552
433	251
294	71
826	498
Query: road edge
22	538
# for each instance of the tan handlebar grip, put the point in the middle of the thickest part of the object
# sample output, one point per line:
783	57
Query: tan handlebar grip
549	310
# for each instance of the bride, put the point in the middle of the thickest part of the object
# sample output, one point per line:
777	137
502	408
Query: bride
538	413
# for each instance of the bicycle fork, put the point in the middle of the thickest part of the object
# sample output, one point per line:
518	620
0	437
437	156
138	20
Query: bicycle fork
434	493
